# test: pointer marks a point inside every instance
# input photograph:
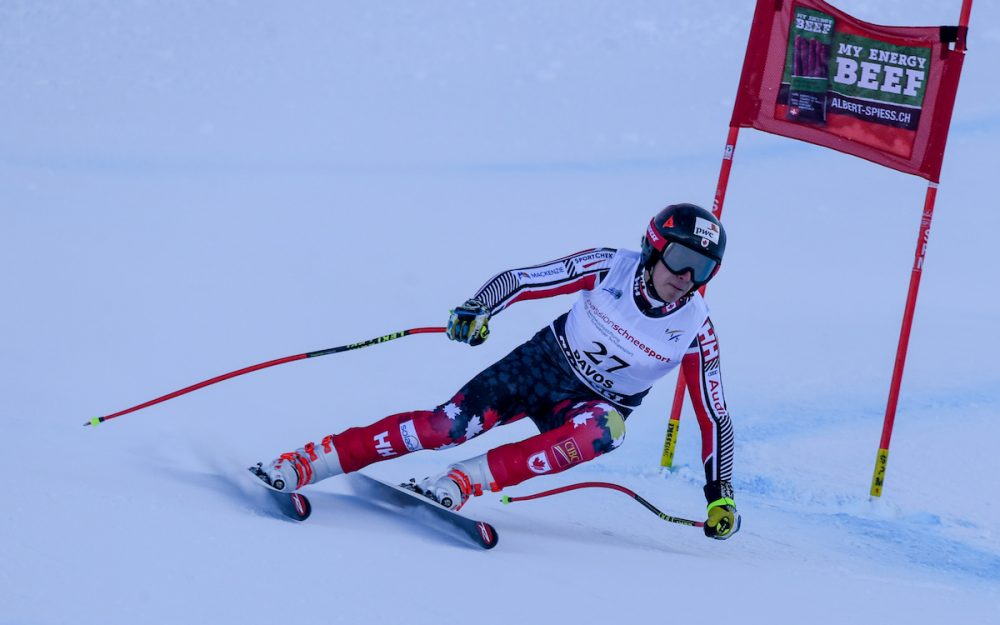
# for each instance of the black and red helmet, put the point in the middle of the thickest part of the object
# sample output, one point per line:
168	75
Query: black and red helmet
685	237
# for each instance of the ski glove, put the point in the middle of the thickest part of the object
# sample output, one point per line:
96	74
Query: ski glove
468	323
723	519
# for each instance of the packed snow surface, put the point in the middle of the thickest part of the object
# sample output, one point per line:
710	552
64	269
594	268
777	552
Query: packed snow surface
190	187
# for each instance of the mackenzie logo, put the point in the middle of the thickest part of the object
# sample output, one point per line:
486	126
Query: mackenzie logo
539	274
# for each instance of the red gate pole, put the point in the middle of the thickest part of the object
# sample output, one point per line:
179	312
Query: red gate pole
882	458
670	441
904	339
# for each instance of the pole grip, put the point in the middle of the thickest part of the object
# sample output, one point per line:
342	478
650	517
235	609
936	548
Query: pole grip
670	443
878	478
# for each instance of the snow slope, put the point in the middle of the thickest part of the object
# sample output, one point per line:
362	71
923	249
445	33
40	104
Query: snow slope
189	187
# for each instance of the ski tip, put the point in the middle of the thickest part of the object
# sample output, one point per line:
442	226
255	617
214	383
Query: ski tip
302	506
488	537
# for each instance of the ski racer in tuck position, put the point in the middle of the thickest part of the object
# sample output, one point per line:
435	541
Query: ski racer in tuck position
639	316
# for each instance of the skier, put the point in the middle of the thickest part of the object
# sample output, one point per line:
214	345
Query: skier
640	316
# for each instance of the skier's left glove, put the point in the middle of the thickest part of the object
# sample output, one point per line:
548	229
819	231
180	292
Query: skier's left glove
723	520
468	323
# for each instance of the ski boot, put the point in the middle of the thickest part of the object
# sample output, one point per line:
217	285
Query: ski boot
460	482
293	470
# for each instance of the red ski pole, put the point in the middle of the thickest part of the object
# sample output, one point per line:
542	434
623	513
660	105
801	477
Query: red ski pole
265	365
621	489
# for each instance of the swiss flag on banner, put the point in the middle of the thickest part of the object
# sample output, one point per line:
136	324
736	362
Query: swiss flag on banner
814	73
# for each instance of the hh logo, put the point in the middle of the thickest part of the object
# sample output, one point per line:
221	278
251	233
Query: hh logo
566	453
539	463
709	344
383	446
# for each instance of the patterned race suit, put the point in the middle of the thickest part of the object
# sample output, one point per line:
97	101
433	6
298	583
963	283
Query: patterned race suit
577	380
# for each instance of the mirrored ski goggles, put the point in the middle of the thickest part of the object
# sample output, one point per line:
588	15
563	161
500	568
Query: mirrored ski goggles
679	259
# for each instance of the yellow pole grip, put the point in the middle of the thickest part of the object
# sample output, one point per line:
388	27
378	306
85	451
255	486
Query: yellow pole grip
878	478
670	443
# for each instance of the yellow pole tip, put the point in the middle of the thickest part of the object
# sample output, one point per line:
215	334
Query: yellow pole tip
94	421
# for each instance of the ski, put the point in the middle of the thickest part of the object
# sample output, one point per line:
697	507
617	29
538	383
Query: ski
404	498
295	506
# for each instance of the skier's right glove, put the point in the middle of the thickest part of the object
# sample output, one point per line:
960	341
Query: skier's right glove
468	323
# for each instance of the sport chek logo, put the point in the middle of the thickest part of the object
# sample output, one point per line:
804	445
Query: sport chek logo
593	258
566	453
539	463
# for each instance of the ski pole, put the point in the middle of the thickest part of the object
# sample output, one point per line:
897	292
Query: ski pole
622	489
265	365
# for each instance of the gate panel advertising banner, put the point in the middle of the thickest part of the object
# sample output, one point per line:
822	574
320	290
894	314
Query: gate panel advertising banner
814	73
